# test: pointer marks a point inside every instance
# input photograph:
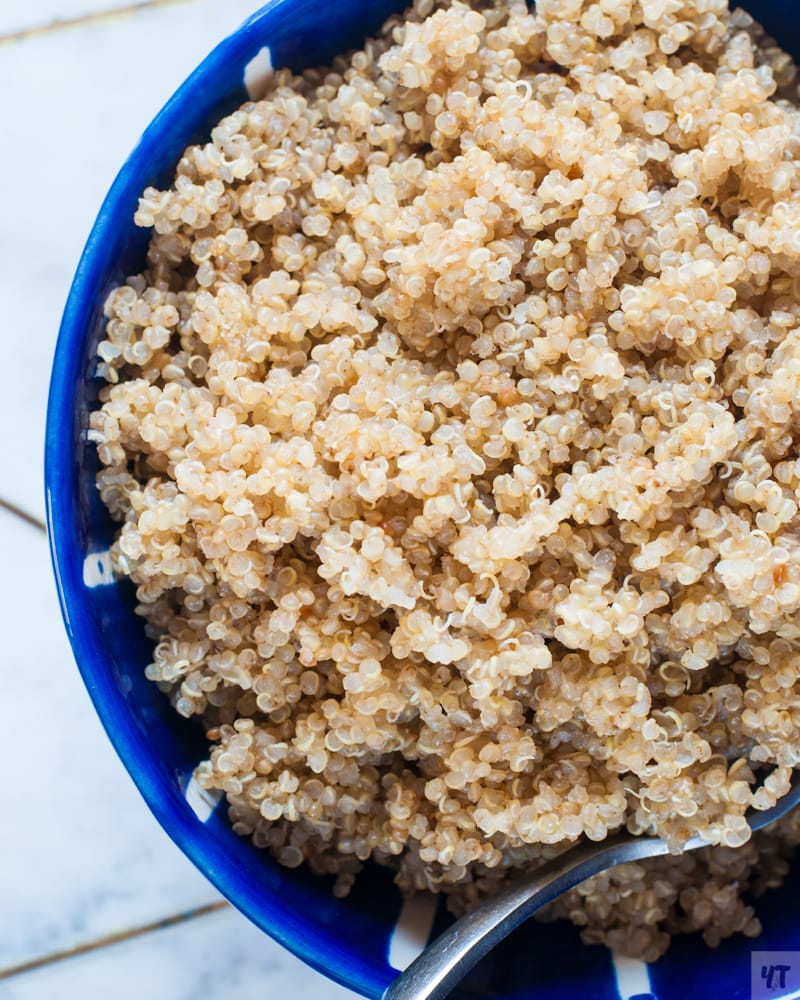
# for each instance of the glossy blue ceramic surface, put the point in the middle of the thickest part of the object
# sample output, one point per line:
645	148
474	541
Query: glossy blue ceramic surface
346	939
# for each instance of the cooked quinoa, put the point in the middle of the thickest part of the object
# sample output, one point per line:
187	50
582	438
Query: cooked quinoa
452	433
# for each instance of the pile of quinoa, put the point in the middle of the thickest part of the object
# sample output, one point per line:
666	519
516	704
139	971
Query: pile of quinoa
452	430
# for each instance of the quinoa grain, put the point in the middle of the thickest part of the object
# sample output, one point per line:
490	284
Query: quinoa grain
452	434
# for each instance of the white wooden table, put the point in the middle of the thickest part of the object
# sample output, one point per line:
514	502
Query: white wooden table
95	900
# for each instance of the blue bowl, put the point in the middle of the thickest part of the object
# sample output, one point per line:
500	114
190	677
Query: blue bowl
354	941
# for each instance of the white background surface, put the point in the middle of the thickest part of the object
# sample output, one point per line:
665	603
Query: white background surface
81	858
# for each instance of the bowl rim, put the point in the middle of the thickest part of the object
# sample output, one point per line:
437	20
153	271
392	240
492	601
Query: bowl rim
281	922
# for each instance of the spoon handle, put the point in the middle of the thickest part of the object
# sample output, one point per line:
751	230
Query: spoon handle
444	963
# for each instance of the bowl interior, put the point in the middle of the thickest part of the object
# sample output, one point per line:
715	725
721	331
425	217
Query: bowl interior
350	940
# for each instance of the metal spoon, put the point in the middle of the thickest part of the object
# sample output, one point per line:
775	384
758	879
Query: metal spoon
445	962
